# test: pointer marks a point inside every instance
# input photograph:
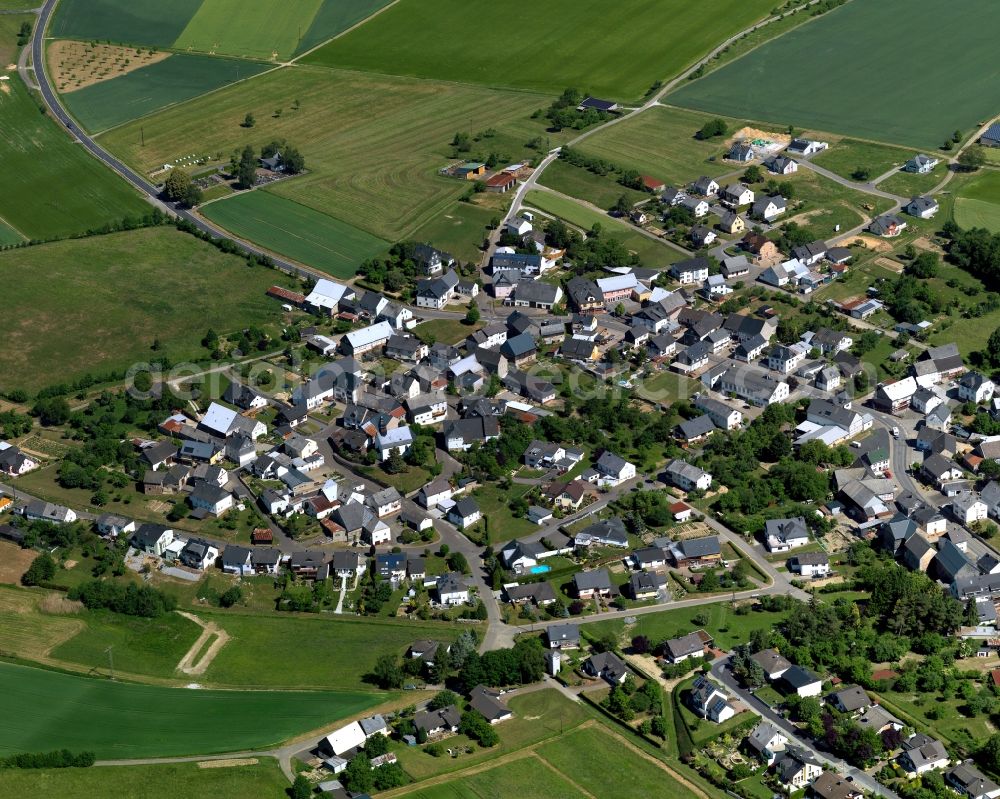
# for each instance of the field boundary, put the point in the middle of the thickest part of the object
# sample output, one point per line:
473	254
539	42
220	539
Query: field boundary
356	25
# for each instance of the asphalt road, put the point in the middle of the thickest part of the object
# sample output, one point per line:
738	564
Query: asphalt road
720	671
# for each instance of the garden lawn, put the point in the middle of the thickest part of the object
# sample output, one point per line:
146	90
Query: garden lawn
667	387
372	144
952	725
820	75
166	781
978	202
177	78
450	331
459	230
297	231
726	626
557	44
609	766
651	252
146	22
52	187
661	142
329	653
494	503
81	321
127	720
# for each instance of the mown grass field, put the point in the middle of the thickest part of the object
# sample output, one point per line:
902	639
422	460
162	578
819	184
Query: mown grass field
838	73
328	653
459	229
168	781
660	142
845	156
651	252
51	186
295	230
143	91
584	184
127	720
978	202
373	144
556	44
10	24
147	22
524	778
99	303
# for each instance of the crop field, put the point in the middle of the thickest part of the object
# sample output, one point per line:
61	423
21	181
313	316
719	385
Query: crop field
263	29
328	653
112	719
373	144
820	75
51	186
150	88
149	22
266	29
660	142
651	252
619	55
298	231
79	322
978	202
165	781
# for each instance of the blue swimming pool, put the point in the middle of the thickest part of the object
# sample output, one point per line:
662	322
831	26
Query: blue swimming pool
540	569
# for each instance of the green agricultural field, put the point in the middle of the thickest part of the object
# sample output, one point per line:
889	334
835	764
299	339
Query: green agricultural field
52	187
141	646
727	627
585	185
143	91
8	235
147	22
605	775
651	252
79	323
823	74
10	25
168	781
459	229
328	653
265	29
373	144
556	44
978	202
524	778
846	156
336	16
295	230
113	719
660	142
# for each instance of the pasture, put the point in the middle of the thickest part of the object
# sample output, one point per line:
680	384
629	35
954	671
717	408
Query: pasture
146	22
297	231
651	252
52	187
820	75
373	144
143	91
79	323
978	202
558	43
115	719
165	781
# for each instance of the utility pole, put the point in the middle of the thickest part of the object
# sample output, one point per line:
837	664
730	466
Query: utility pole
111	660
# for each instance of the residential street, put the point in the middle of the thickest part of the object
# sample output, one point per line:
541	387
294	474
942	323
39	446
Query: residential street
720	671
